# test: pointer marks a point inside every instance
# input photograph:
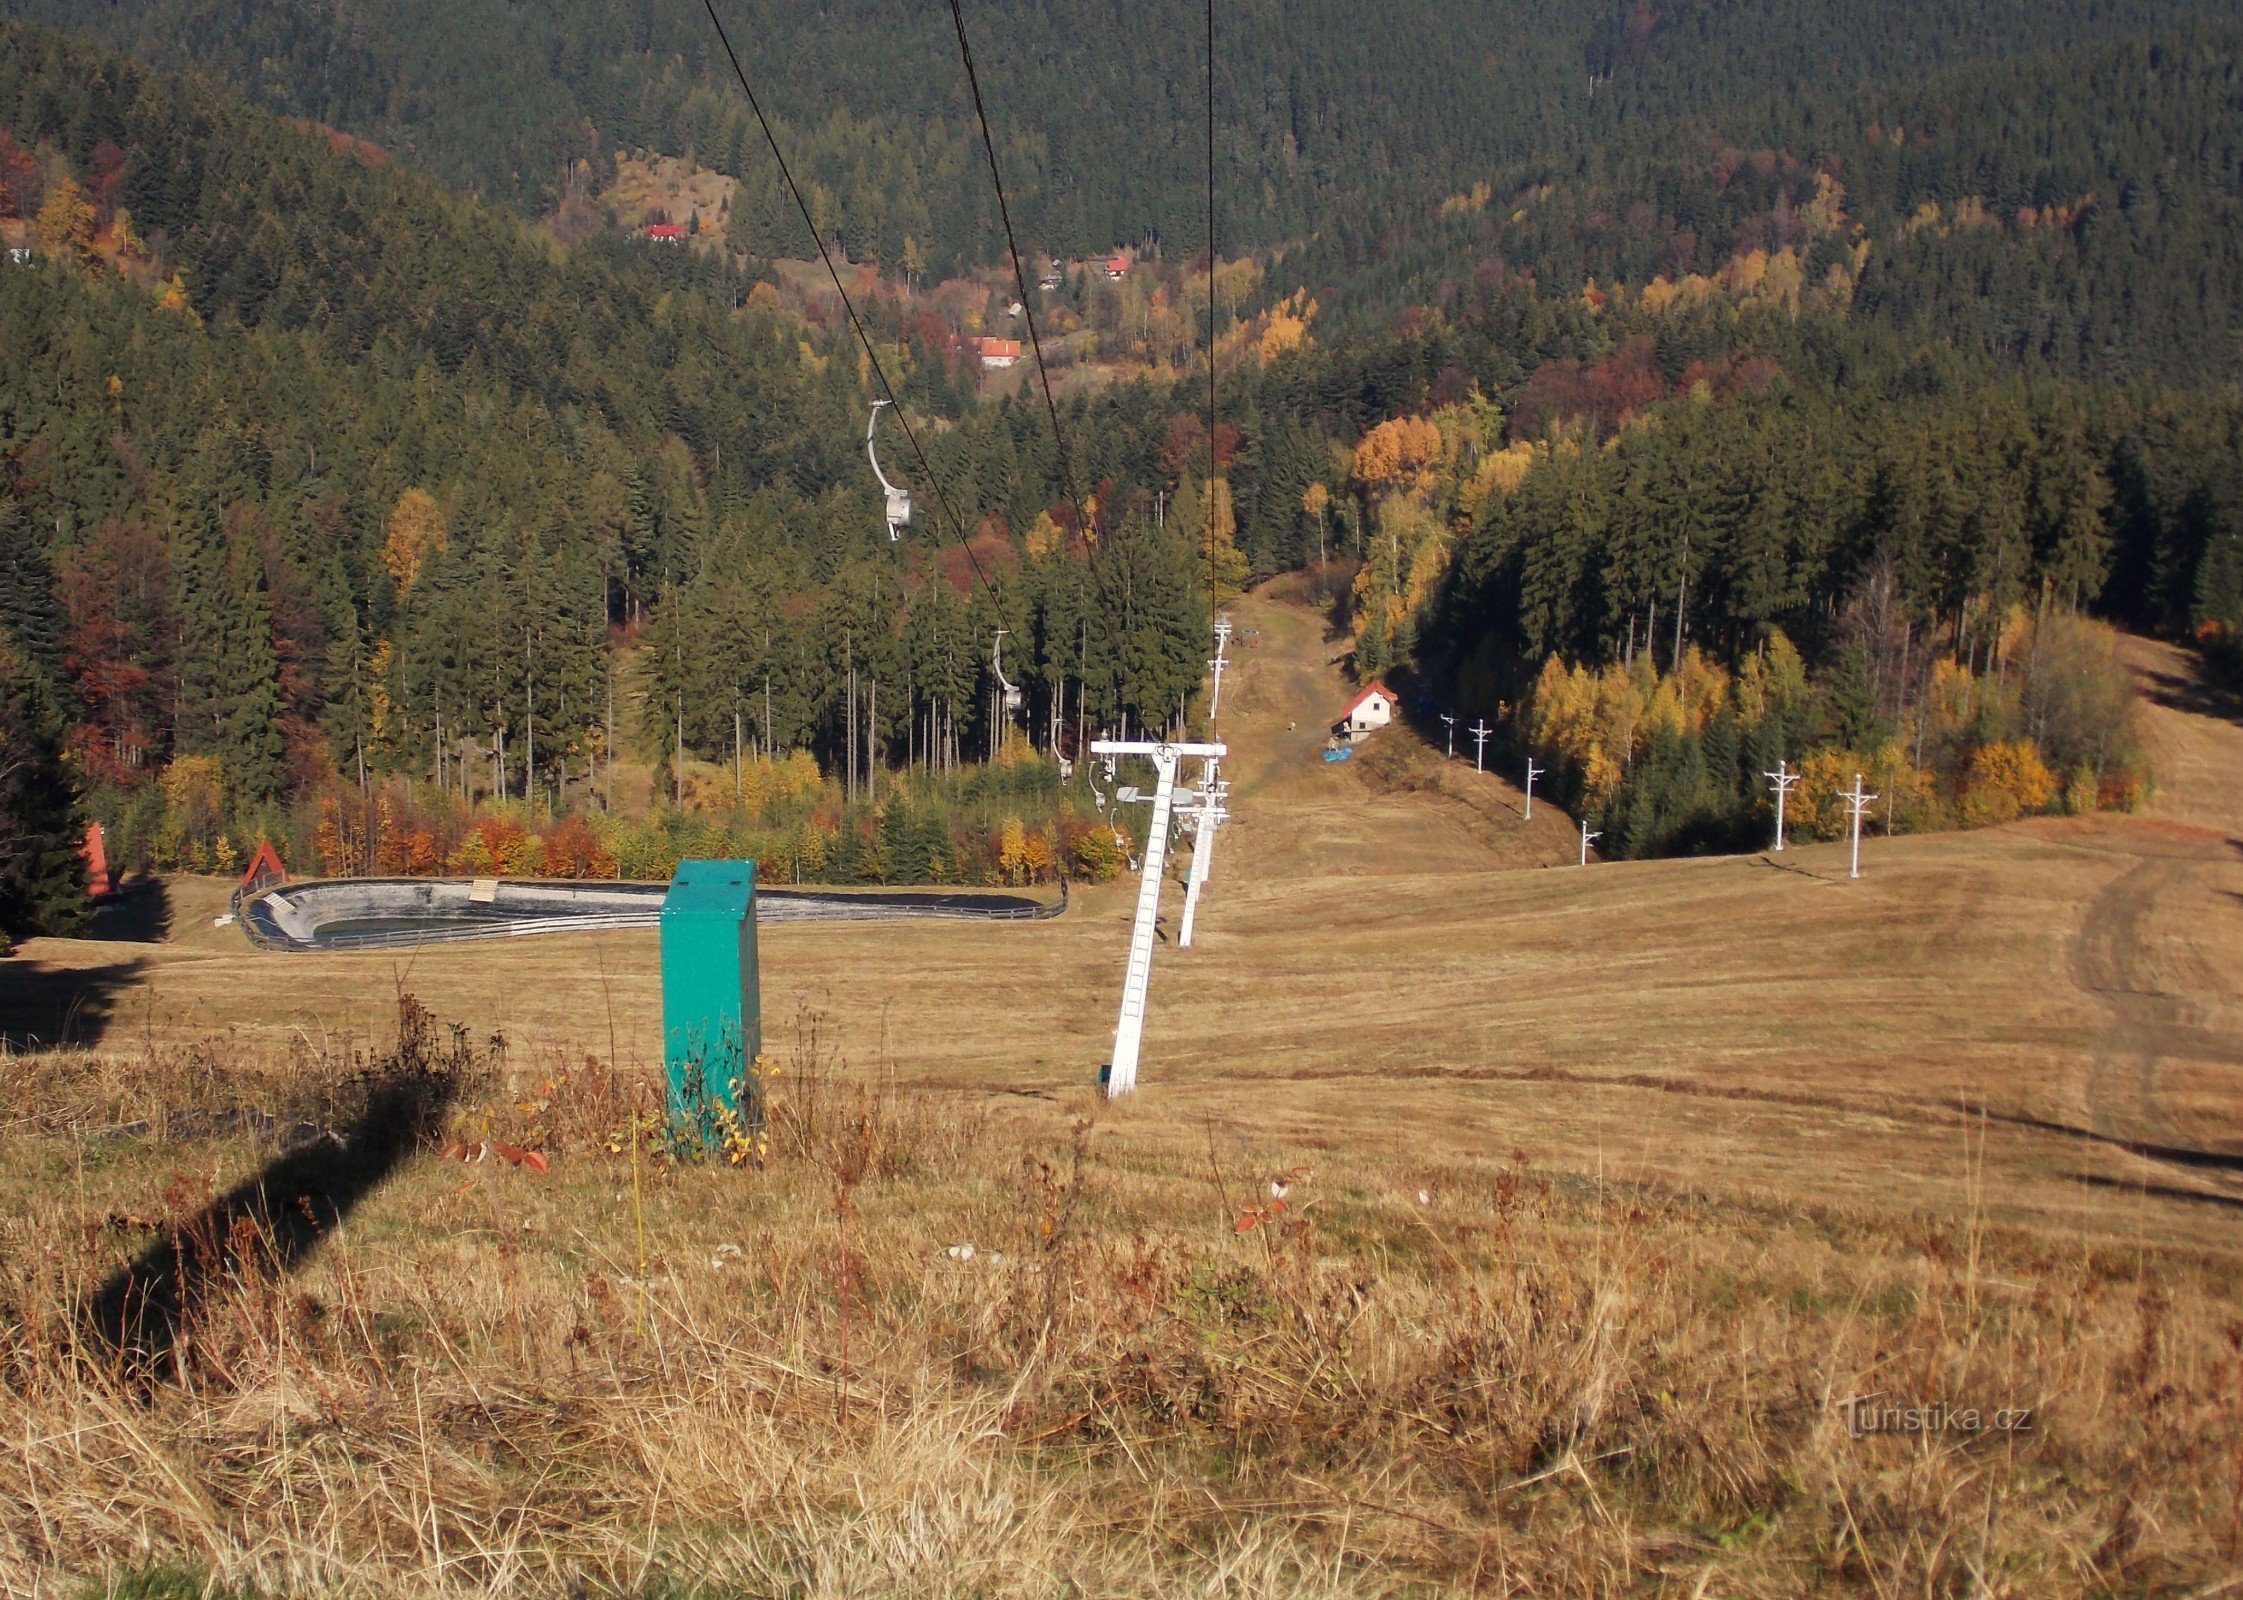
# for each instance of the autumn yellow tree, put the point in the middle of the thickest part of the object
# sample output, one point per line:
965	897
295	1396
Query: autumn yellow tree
66	222
1315	500
1397	454
1226	563
416	532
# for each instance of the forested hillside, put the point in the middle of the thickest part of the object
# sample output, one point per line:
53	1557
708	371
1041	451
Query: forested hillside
304	463
1710	334
2078	212
1322	123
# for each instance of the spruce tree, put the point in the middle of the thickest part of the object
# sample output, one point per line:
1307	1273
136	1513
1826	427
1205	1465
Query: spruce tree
42	872
28	617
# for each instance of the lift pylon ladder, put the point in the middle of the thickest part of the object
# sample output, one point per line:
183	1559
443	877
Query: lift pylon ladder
1129	1028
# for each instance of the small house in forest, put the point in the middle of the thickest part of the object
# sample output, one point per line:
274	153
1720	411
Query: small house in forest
1373	708
665	232
999	352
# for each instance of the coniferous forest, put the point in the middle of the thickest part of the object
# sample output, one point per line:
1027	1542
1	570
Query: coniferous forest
1733	384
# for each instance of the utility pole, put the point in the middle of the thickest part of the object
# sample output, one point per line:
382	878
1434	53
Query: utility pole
1532	772
1783	778
1129	1027
1857	802
1586	836
1479	732
1450	723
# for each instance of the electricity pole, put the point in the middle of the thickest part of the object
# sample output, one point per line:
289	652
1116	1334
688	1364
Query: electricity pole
1783	778
1857	801
1586	836
1479	732
1451	722
1532	772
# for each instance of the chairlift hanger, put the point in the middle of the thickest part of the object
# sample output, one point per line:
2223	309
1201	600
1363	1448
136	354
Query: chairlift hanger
1013	698
898	500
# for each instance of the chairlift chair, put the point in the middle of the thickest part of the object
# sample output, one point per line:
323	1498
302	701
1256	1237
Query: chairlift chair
1013	698
899	500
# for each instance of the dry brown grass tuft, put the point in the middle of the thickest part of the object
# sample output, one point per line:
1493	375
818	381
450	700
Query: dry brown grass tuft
1153	1373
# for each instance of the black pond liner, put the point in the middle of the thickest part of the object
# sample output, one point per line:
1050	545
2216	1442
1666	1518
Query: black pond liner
402	913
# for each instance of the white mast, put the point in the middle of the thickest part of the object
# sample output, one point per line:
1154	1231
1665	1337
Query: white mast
1532	772
1215	695
1857	801
1129	1028
1586	836
1783	778
1208	817
1479	732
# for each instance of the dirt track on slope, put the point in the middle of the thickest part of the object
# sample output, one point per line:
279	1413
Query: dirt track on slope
2156	946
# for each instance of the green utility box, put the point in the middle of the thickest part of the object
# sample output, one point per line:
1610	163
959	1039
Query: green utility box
712	1003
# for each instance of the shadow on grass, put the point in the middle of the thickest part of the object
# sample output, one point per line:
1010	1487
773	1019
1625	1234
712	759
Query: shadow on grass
263	1227
43	1004
2178	1155
140	914
2161	1191
2206	695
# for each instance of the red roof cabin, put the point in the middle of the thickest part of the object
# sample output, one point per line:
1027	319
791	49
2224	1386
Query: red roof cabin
99	884
1117	266
666	232
999	352
1373	708
264	870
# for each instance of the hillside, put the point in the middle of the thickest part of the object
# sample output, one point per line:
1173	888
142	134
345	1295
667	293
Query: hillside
1320	126
1617	1171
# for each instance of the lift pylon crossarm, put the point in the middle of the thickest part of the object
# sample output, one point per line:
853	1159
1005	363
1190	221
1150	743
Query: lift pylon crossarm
1129	1027
898	500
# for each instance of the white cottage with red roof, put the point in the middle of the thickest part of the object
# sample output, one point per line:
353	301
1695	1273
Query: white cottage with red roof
1373	708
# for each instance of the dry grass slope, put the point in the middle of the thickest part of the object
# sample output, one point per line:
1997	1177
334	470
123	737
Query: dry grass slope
1601	1191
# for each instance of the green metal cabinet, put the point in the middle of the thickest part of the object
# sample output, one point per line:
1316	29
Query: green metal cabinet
712	1004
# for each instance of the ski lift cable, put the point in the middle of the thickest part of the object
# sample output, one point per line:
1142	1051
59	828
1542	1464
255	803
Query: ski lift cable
1210	287
771	140
1019	275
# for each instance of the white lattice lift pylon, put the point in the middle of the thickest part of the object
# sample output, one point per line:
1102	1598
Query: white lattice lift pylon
1215	695
1206	818
1479	732
1129	1027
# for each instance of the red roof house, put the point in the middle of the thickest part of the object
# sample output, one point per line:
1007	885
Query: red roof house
668	232
999	352
1116	266
1373	708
